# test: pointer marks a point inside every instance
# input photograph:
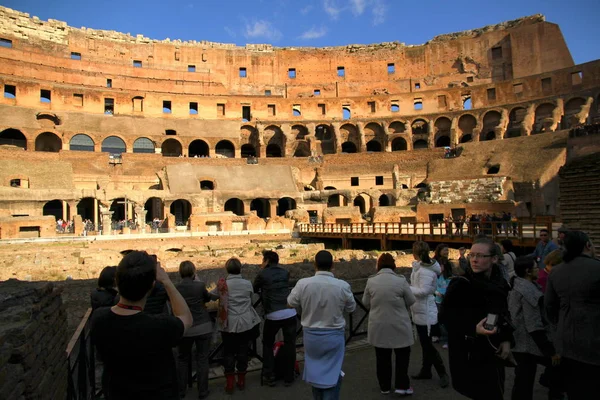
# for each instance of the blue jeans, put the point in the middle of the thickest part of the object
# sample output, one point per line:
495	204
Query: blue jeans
332	393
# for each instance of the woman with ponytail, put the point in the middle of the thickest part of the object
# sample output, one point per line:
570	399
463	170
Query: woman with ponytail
423	283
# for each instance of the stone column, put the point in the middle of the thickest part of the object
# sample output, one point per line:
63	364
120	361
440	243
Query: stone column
557	114
65	211
528	121
361	136
96	220
454	132
430	134
338	139
106	220
130	214
387	146
273	207
140	217
409	136
262	148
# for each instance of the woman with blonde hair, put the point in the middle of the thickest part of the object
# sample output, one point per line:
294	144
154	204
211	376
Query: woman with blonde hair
389	297
423	283
236	319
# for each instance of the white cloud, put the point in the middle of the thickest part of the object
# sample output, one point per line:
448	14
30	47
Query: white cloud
306	10
314	33
229	31
379	12
358	6
332	9
262	29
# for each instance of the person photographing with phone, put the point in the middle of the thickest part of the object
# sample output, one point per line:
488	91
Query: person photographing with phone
136	347
475	312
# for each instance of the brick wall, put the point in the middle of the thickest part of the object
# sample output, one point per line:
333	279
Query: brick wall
33	334
468	190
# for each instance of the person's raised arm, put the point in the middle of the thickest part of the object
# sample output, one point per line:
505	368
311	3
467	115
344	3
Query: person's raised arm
180	307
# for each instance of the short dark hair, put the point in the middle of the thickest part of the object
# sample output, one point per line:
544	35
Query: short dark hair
386	260
271	257
136	274
493	248
233	266
438	250
524	264
507	245
106	279
544	230
324	260
575	242
187	269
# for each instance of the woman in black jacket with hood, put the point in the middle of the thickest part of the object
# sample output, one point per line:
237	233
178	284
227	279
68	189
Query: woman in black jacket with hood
478	355
105	295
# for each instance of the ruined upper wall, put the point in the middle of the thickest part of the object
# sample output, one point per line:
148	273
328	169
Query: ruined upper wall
446	60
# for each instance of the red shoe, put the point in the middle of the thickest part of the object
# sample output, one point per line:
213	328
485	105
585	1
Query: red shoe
229	383
241	380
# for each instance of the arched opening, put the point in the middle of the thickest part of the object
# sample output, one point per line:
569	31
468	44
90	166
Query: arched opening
207	185
493	169
324	134
171	148
373	146
420	126
247	150
273	150
299	132
491	135
225	149
81	142
491	120
87	211
154	210
373	133
181	209
348	147
113	145
13	137
420	144
329	188
350	133
544	117
55	208
234	205
143	146
399	144
385	200
302	149
118	208
466	124
572	108
421	185
442	141
284	204
262	208
442	129
333	200
515	120
397	127
48	142
467	103
466	138
359	202
198	148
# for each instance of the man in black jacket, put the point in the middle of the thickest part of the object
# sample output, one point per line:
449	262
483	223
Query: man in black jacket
273	284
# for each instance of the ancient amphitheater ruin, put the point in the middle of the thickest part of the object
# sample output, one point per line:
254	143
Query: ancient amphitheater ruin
101	127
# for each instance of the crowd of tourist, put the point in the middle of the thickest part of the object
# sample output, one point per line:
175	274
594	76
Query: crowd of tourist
584	130
487	309
476	224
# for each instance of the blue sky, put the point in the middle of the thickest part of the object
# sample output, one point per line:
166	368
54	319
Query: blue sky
286	23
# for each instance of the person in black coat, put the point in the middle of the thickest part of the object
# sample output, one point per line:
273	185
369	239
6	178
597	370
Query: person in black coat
477	355
105	295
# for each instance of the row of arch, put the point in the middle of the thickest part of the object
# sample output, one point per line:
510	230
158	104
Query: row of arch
277	143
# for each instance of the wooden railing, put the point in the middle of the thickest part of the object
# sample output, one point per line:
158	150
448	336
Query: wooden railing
81	362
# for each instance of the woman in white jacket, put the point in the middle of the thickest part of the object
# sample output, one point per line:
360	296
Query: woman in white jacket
424	312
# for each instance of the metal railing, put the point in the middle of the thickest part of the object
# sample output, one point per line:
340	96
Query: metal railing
81	362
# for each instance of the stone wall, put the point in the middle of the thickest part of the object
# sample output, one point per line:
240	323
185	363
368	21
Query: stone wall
33	333
468	191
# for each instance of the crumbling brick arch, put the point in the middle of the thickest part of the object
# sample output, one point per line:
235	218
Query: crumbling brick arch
515	122
544	117
171	147
301	148
350	138
198	148
419	126
48	142
443	129
13	137
397	127
324	133
299	132
374	137
80	142
114	144
364	202
275	140
491	120
573	107
144	145
466	125
225	148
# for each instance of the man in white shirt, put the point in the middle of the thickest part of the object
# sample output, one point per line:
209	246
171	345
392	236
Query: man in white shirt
323	300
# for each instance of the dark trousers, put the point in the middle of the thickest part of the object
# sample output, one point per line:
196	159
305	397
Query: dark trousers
525	373
430	354
581	379
184	356
235	351
287	351
384	368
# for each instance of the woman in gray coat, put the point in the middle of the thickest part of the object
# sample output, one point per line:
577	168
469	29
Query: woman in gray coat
388	295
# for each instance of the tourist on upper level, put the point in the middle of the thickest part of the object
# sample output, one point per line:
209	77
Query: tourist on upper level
105	295
237	320
388	296
199	334
423	283
323	300
544	247
136	347
477	354
532	343
273	283
441	254
509	257
572	303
